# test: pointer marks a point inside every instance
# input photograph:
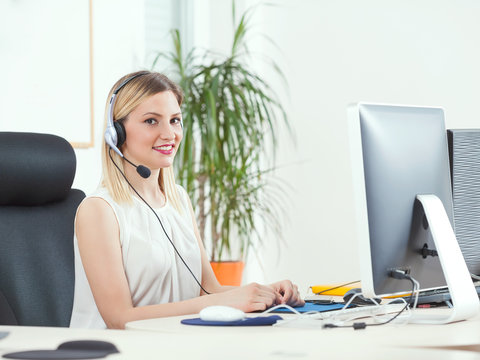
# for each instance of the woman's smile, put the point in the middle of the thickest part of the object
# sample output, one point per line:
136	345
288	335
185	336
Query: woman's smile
166	149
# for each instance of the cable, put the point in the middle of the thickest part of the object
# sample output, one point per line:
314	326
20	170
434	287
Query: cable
397	274
161	224
409	303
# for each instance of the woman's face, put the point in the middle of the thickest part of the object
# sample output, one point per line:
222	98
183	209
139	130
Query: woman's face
154	131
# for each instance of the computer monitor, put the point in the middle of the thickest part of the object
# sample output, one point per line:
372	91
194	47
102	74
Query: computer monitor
464	151
403	202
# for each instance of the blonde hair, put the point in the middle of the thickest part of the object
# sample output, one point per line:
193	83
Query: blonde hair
142	85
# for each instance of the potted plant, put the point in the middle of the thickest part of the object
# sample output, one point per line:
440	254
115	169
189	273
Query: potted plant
231	117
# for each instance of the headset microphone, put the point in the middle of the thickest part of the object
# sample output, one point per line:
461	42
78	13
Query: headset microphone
143	171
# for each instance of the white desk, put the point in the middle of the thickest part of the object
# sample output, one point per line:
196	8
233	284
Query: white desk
376	342
168	339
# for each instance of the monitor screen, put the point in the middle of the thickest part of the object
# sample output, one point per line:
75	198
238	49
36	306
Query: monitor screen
398	152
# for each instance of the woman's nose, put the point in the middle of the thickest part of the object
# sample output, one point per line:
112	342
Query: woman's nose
166	132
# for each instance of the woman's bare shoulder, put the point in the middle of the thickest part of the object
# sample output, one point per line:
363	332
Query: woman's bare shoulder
95	210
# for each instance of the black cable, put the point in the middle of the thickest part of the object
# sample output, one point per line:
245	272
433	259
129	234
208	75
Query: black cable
161	224
409	303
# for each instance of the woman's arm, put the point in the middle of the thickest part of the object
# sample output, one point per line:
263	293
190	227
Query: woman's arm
98	239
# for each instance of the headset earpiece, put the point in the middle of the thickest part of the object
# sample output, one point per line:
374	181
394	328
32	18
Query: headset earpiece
115	134
121	133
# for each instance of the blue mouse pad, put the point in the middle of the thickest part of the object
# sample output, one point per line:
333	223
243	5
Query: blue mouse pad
249	321
311	307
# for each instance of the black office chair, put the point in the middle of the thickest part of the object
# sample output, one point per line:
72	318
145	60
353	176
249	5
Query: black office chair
37	211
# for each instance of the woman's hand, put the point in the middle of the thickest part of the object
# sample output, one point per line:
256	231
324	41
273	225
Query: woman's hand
248	298
287	293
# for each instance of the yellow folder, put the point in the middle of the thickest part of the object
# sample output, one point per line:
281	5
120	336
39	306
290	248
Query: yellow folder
334	289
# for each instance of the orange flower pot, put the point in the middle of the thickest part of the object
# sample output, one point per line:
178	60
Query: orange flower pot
228	272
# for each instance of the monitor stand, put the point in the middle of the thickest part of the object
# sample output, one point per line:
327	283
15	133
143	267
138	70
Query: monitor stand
462	291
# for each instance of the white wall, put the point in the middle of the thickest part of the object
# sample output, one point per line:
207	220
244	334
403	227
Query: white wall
334	53
339	52
38	73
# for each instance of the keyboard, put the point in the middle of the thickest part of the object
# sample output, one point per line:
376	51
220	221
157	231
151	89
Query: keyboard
439	295
434	296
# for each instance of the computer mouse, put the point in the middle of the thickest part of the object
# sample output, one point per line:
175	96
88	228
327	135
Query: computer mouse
221	313
359	299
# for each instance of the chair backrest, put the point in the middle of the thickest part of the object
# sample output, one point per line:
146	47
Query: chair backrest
37	211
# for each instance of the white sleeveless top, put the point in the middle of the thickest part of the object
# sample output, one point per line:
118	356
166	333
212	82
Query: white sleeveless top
154	271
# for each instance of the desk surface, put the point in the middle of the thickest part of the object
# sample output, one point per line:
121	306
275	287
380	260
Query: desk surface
167	338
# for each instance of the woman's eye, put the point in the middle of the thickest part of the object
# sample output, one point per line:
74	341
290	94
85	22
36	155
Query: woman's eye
176	121
151	121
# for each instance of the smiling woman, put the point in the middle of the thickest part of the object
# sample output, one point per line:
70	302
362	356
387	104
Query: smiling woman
156	125
138	253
